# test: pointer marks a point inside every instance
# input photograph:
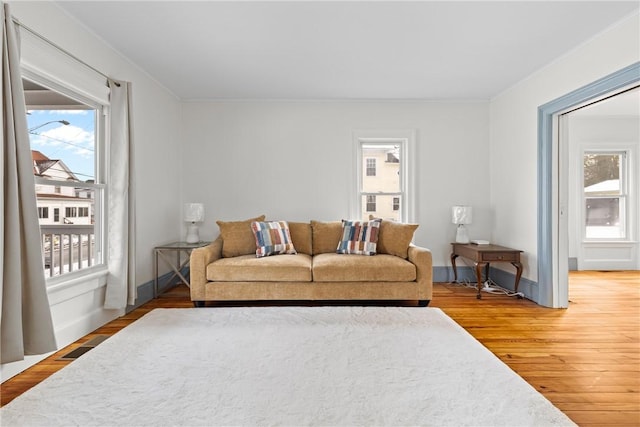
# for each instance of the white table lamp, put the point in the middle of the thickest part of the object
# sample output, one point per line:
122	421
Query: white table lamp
461	215
193	213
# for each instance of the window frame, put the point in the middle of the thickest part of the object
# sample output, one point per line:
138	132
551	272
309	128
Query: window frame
624	197
406	141
99	186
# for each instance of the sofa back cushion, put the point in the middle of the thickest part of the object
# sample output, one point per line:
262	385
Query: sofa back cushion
395	238
326	236
301	237
237	237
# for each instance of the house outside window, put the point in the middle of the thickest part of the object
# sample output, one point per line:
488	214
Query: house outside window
384	181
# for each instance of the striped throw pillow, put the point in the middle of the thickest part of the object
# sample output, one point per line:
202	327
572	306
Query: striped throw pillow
359	237
272	238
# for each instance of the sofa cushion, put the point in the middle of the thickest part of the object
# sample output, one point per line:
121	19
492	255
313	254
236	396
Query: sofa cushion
237	237
326	236
359	237
301	237
272	238
395	238
380	268
290	268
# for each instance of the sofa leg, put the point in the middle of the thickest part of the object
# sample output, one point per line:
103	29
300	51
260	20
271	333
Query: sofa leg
198	303
424	302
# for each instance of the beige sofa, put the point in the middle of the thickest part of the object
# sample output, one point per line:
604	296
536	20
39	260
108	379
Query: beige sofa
228	269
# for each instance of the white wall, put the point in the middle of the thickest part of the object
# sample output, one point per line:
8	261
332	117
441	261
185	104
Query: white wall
157	150
514	131
293	160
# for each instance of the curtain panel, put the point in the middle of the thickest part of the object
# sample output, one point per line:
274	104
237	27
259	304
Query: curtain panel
121	286
25	318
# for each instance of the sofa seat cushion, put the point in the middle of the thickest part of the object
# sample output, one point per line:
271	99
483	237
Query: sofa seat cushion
358	268
244	268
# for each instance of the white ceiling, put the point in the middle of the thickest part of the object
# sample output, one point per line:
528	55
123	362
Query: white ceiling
344	50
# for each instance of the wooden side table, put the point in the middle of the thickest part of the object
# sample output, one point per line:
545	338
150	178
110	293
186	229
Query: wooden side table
180	249
482	256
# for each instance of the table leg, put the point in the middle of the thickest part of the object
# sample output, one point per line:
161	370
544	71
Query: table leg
176	269
479	267
518	267
178	259
453	264
155	280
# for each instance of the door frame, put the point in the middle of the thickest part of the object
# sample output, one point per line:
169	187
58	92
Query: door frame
552	209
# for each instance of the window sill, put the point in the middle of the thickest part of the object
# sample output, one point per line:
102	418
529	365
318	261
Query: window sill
63	288
609	242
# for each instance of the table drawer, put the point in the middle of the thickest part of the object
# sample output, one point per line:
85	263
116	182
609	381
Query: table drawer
500	256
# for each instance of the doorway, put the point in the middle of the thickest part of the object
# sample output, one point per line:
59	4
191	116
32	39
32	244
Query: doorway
602	140
553	187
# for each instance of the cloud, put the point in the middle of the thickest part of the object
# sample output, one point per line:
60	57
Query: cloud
77	140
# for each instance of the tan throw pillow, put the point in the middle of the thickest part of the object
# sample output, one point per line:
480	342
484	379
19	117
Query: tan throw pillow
325	236
237	237
301	237
395	238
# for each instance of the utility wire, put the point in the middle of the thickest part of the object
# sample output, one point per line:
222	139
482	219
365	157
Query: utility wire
63	141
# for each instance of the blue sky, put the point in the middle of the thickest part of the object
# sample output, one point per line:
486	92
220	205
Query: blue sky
73	144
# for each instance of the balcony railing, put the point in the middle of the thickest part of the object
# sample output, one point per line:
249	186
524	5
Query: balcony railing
67	248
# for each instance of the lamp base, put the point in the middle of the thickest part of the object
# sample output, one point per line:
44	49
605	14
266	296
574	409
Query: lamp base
192	234
461	234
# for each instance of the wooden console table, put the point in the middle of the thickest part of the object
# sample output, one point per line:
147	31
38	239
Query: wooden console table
482	256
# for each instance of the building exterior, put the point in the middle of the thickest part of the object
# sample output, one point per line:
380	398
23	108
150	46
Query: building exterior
59	205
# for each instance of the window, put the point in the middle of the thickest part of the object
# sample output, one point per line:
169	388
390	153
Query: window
371	167
66	134
605	194
384	180
43	213
70	212
371	203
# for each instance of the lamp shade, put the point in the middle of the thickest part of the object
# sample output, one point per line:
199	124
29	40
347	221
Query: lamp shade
193	212
461	214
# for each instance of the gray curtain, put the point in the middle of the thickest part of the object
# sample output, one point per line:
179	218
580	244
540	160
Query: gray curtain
121	286
26	325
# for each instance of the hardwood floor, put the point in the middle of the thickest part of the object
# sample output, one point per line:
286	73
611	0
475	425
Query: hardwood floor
585	359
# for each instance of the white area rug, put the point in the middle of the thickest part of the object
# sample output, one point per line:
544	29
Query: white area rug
287	366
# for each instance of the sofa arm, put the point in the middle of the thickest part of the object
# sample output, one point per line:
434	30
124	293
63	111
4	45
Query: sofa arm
422	259
200	259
